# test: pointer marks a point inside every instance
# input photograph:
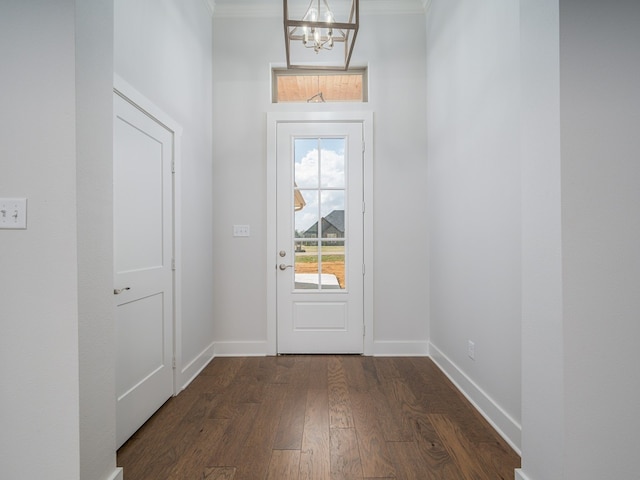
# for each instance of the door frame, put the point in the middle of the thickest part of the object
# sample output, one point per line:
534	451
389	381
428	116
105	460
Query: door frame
138	100
273	120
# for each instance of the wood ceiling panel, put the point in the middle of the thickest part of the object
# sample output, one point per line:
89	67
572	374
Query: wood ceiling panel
334	87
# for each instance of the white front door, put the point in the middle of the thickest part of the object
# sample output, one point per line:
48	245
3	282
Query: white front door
143	277
319	257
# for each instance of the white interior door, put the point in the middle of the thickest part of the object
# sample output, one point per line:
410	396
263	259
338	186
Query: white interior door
143	277
319	257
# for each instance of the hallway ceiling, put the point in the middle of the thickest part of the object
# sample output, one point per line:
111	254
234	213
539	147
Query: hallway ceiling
271	8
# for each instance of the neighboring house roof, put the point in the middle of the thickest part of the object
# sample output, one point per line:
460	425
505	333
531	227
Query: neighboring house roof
334	219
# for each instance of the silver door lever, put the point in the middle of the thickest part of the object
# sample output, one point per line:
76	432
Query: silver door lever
118	291
284	267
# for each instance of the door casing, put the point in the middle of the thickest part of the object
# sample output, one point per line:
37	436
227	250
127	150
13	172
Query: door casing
273	119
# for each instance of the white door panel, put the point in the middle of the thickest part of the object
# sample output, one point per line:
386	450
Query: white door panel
319	238
143	277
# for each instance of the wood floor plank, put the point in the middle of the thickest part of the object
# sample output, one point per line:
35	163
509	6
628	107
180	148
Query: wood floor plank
460	449
340	415
228	451
354	370
318	376
385	368
375	457
219	473
284	465
264	427
345	455
433	451
408	462
191	463
291	424
315	453
258	446
390	415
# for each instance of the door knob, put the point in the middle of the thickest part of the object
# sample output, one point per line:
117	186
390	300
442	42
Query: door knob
118	291
284	267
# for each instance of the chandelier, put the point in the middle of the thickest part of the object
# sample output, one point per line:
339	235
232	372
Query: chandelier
320	37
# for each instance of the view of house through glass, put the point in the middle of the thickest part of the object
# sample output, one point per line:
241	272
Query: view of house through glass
319	203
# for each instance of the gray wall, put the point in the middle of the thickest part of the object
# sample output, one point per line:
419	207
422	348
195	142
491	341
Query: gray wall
474	201
600	125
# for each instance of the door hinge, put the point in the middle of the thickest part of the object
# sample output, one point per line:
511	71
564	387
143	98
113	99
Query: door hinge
363	269
173	363
173	264
363	146
364	207
364	331
173	167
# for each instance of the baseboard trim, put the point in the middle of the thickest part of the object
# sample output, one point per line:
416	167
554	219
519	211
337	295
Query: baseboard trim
400	349
241	349
117	474
520	475
505	425
195	366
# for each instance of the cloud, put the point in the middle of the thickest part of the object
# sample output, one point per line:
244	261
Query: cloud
328	173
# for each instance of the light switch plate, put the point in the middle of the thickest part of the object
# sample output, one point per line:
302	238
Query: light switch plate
13	213
241	230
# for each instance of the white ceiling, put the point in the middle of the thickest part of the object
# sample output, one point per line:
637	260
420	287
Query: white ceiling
273	8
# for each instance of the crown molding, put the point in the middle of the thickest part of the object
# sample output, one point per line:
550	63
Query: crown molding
273	8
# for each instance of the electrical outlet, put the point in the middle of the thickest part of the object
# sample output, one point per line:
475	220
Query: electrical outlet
471	350
13	213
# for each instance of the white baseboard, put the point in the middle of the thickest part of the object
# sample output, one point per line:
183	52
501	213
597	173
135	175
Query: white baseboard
241	349
400	349
505	425
194	367
520	475
117	474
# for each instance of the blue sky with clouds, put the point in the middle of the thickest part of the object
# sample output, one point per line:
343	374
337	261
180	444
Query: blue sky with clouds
320	176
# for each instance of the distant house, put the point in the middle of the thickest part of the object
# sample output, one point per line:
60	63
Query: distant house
332	226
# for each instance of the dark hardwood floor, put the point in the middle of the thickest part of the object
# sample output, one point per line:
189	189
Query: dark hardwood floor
318	418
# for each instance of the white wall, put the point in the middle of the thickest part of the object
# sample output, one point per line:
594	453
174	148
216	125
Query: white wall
38	283
474	201
96	330
243	51
542	308
600	122
163	49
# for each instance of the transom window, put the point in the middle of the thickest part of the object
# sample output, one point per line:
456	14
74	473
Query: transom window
319	86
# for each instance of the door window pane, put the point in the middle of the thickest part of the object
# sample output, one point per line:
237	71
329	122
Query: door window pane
307	268
306	214
332	265
306	162
332	162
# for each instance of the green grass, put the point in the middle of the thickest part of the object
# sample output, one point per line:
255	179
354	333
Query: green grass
314	258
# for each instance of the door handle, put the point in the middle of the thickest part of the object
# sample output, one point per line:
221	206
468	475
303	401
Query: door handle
284	267
118	291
